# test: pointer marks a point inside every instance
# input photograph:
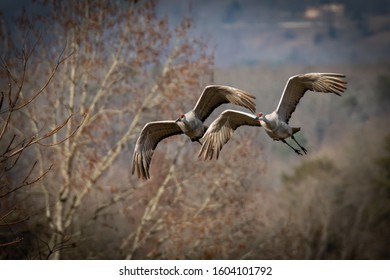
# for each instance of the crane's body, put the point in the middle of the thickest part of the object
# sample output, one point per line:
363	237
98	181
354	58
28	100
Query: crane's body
275	128
279	130
191	126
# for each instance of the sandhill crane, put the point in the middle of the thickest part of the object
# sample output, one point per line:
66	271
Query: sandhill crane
276	123
190	123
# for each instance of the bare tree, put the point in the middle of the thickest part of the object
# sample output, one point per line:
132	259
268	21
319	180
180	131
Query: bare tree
18	167
126	62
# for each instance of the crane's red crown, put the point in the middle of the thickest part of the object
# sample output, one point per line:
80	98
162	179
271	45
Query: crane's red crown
181	116
260	114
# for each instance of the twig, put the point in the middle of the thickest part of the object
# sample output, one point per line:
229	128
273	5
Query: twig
25	183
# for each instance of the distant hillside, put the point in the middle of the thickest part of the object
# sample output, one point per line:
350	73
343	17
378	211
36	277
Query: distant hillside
245	32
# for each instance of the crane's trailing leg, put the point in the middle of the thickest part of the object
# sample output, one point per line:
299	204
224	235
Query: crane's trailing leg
295	150
303	149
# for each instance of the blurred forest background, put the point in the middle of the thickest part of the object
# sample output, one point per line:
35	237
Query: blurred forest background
79	79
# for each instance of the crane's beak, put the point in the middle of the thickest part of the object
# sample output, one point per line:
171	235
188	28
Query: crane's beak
177	120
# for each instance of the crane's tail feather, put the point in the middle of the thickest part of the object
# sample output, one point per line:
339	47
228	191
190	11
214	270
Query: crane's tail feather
295	130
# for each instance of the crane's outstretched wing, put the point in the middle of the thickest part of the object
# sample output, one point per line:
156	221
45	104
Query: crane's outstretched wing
151	134
222	129
297	86
215	95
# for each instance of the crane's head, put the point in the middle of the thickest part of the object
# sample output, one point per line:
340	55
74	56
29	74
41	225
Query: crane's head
259	116
181	118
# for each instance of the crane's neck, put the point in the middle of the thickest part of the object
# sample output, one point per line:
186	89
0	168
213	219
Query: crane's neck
268	121
265	119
